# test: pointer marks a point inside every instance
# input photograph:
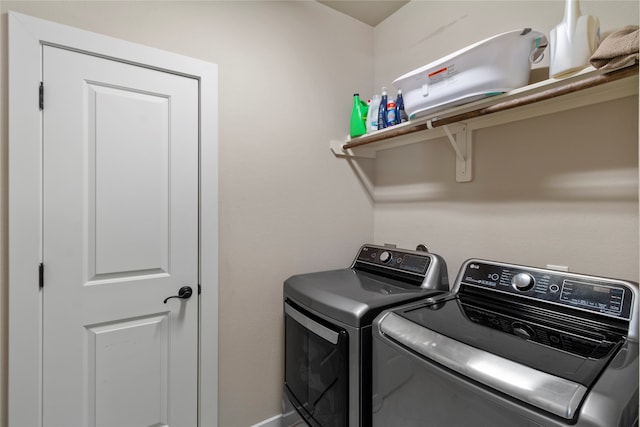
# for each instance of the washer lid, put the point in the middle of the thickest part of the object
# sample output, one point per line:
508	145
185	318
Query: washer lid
350	296
549	392
550	342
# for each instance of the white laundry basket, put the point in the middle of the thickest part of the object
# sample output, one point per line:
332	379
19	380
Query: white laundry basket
492	66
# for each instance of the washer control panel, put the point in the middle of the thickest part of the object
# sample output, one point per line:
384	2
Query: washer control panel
395	259
595	294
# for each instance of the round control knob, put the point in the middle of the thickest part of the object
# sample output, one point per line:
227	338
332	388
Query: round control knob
523	331
522	281
385	257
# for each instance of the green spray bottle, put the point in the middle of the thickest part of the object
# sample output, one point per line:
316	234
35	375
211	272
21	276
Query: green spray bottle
358	117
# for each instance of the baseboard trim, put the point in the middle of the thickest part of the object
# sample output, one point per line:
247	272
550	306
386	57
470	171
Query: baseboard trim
271	422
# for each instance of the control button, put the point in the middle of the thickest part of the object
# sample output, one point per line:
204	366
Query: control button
554	288
385	257
522	281
523	331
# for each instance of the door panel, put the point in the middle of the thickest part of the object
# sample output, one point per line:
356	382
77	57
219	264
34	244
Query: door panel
120	234
117	352
130	132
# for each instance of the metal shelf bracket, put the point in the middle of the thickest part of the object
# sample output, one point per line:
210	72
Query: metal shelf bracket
460	141
459	136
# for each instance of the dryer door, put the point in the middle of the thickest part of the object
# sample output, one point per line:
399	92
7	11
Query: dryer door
316	368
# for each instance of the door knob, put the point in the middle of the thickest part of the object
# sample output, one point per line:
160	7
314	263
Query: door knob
185	292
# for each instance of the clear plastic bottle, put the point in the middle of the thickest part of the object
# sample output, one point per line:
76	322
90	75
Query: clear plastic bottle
372	117
382	110
392	119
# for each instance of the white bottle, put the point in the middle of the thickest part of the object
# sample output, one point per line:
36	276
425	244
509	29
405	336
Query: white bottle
573	41
372	116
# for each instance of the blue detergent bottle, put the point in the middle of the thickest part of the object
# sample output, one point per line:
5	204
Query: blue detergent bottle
401	115
382	110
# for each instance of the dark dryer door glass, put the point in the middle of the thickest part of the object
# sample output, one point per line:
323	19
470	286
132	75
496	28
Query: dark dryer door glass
316	355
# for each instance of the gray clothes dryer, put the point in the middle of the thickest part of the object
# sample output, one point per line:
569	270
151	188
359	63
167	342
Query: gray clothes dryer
328	319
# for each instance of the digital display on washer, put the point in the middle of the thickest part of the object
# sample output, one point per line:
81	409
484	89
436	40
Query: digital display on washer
599	297
416	264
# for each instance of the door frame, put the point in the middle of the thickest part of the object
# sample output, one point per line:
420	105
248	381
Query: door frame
27	35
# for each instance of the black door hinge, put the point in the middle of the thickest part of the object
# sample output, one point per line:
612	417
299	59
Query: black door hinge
199	289
41	96
41	275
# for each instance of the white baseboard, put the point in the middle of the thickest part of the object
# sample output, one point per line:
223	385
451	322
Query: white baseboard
271	422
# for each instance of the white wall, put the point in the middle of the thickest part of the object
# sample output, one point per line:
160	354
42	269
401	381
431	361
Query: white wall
558	189
287	74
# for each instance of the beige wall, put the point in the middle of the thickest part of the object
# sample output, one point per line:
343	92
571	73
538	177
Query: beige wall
558	189
287	74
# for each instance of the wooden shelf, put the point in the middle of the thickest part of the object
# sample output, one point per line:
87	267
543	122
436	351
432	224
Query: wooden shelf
457	124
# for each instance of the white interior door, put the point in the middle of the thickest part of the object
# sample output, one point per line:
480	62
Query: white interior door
120	232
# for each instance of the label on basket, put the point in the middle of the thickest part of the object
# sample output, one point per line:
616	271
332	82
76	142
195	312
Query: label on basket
437	73
440	75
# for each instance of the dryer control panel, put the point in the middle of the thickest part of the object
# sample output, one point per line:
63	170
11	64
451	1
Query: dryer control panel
392	258
412	268
610	297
